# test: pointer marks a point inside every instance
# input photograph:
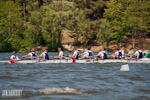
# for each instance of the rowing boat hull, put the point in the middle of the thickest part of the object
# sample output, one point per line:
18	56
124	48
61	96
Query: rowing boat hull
81	61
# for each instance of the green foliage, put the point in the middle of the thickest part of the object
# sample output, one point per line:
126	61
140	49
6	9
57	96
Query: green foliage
94	9
138	15
25	24
10	25
116	16
54	19
104	35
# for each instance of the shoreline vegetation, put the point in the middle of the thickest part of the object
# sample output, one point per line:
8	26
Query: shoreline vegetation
26	24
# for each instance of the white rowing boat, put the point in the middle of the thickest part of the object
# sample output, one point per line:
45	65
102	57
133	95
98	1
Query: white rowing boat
144	60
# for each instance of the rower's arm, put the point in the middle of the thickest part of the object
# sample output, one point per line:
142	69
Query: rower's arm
39	56
129	53
25	56
16	59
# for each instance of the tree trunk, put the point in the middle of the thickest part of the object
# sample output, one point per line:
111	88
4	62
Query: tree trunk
46	2
107	45
140	40
133	40
59	38
24	11
120	45
76	39
133	43
120	42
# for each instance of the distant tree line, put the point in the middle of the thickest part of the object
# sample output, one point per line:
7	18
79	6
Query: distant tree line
25	24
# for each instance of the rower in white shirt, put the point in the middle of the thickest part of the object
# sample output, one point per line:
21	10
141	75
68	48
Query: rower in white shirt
89	51
75	54
61	54
116	55
122	51
85	54
102	54
31	55
44	54
14	57
138	53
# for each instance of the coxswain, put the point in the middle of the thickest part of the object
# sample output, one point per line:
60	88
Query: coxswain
14	57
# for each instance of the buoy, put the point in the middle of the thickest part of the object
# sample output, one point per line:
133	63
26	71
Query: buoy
121	69
125	68
11	62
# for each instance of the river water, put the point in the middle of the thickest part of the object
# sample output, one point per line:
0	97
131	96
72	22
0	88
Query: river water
74	81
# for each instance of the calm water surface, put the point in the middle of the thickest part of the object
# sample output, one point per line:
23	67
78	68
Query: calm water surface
75	81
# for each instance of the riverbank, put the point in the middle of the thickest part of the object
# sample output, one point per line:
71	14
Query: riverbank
96	47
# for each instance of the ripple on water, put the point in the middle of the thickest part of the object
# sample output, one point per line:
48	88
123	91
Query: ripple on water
141	98
8	77
135	77
89	81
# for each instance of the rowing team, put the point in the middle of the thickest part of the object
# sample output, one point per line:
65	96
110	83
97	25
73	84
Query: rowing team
86	54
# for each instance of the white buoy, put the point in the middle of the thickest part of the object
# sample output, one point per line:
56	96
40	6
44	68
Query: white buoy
125	68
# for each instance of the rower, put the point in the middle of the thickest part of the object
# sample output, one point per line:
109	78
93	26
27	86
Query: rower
85	55
130	53
14	57
116	55
138	53
119	53
89	51
122	52
31	55
75	55
44	54
113	56
61	54
102	54
146	53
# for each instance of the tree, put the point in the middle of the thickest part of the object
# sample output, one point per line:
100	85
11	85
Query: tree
138	18
10	26
54	19
115	15
104	35
78	26
94	9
